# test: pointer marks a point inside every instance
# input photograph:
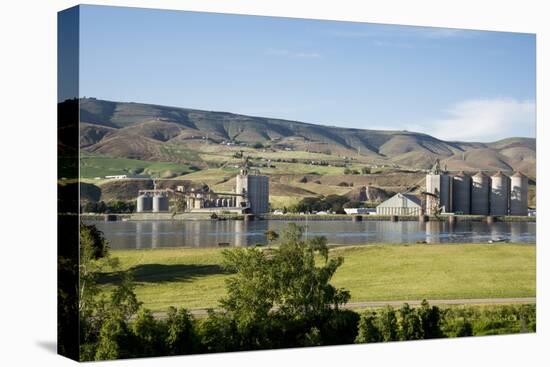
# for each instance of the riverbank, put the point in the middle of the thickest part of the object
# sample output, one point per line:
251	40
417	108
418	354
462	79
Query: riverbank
193	278
302	217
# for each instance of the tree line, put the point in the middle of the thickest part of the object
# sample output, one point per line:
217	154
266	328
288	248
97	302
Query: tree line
277	297
117	206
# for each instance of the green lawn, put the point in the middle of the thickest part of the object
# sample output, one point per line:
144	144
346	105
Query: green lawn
192	278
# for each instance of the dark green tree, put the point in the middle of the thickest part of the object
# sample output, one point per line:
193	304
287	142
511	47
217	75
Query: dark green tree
148	335
430	318
112	333
111	318
181	334
459	327
286	283
218	333
387	324
368	331
410	323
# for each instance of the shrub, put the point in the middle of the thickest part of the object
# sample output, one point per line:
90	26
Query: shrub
367	329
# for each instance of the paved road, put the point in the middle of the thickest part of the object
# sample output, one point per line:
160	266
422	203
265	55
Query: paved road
361	305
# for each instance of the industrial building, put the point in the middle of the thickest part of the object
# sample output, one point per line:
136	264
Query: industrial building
251	196
480	194
439	185
254	192
400	204
155	201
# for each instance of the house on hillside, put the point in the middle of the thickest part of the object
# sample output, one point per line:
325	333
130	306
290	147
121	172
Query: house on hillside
400	204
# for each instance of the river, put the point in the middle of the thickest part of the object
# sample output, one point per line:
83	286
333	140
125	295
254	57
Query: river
153	234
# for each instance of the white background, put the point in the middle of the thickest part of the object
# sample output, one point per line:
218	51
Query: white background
28	182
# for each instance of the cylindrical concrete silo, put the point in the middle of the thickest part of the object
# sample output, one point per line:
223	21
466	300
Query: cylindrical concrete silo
144	203
439	185
461	193
500	194
519	192
160	203
481	186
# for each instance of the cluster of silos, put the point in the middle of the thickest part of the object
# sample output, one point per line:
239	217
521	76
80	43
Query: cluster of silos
479	194
144	203
152	202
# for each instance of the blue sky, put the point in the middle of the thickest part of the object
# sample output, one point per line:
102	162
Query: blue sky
453	84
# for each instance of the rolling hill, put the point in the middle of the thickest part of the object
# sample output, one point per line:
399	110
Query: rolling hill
207	139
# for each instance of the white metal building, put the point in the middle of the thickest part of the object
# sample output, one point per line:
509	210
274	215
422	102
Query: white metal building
400	204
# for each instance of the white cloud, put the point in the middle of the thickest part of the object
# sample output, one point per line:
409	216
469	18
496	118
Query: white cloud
292	54
404	32
484	120
393	44
442	33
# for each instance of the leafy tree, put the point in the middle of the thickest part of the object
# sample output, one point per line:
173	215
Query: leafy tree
430	319
111	318
312	338
271	286
124	302
410	323
368	331
93	245
387	324
181	334
112	332
93	248
218	333
302	287
333	203
340	327
459	327
148	335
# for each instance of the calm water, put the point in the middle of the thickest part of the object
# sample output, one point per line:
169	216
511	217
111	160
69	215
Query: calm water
151	234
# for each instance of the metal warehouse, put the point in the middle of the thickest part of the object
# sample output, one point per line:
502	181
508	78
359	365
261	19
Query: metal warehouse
400	204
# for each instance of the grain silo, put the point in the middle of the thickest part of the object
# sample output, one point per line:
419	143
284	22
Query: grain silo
519	192
144	203
439	185
461	193
160	203
481	186
254	191
500	194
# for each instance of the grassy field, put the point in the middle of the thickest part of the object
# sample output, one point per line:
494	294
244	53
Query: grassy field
280	202
193	278
92	166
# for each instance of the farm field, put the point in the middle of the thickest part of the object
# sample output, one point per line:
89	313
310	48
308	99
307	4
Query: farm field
92	166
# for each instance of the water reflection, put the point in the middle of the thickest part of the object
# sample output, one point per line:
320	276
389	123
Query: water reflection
153	234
